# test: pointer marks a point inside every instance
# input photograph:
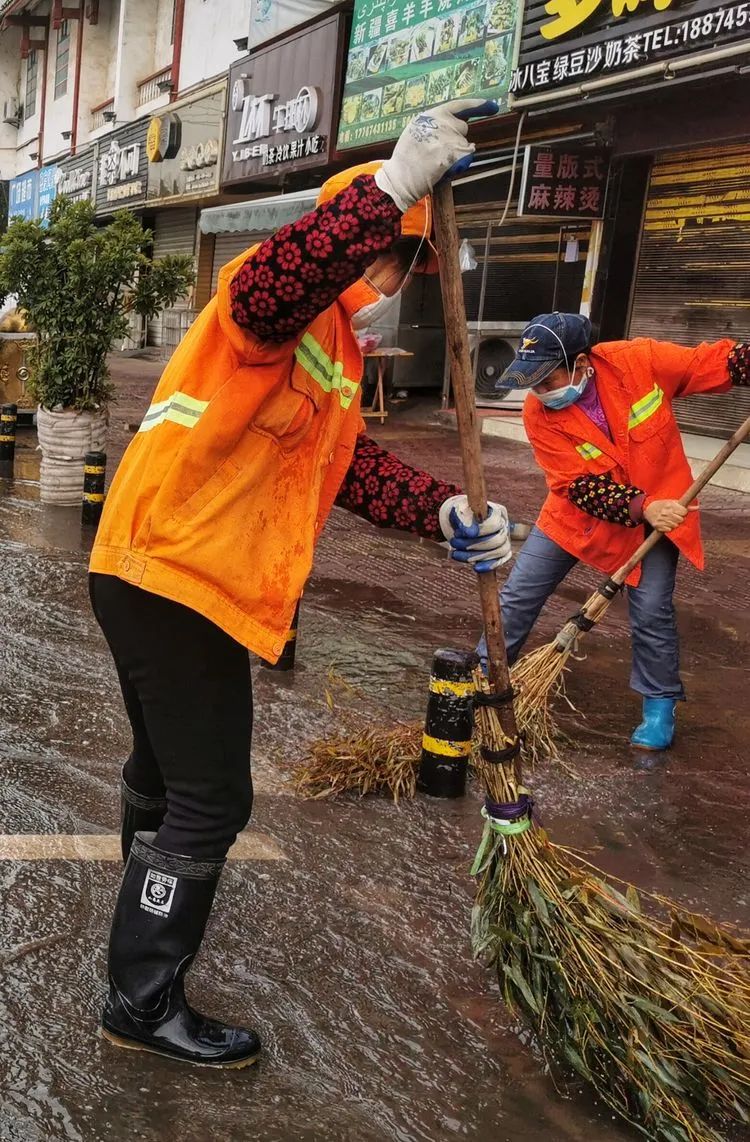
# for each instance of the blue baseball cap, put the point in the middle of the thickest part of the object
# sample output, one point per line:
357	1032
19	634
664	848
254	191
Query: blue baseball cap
547	342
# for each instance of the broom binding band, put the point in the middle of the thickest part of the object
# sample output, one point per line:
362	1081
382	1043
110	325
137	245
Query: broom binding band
581	621
501	756
511	818
610	588
495	701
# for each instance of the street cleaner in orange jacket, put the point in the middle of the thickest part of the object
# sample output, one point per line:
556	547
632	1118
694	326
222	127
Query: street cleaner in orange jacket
601	425
207	540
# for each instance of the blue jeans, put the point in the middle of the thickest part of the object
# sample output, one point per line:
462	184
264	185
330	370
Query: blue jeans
542	565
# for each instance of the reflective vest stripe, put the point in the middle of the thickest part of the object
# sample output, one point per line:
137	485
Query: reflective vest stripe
588	451
645	407
179	409
328	374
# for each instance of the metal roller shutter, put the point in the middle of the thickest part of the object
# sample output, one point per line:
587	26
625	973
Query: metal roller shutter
228	247
174	233
693	265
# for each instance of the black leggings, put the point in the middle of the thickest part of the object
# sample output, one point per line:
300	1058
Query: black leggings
187	691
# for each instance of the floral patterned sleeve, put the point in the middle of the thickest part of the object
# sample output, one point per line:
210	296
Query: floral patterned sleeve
301	269
739	364
602	498
382	489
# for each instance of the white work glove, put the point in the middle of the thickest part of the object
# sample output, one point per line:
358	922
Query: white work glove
432	145
484	544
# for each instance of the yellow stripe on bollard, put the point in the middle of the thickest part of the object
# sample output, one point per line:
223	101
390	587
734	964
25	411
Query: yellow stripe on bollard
445	748
454	689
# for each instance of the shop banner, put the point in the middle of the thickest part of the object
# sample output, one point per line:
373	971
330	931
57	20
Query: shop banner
122	170
76	178
563	183
405	55
280	117
22	196
184	148
48	180
567	43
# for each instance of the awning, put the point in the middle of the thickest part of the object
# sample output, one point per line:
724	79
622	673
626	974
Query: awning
259	214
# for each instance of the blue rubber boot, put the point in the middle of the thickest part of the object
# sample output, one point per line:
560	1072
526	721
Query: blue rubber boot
656	731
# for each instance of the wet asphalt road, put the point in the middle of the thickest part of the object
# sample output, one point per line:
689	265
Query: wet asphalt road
344	940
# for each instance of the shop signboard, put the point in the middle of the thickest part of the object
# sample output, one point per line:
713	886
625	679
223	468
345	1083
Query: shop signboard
76	176
23	196
281	105
567	183
405	55
48	180
183	146
122	170
570	43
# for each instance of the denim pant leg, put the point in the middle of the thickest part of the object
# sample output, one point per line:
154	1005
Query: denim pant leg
539	568
656	649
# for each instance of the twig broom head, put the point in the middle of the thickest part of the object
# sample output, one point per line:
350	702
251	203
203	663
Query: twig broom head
648	1003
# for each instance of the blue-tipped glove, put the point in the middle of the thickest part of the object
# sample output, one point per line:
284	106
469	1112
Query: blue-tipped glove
432	146
484	544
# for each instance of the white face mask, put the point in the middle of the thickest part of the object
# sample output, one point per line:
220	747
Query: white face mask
376	311
568	394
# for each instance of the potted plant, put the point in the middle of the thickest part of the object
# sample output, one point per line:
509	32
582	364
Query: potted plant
78	283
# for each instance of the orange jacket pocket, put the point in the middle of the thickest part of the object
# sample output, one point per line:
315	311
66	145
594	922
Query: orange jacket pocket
224	475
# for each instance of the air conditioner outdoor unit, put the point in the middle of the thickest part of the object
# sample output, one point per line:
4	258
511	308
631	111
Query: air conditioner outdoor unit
11	114
492	350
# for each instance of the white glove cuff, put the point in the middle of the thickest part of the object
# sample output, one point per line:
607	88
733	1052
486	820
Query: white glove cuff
383	180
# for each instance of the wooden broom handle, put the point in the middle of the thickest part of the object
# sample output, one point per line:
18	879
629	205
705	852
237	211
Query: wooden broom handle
462	374
695	488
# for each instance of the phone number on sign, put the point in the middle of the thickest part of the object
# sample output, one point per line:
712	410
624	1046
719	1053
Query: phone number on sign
629	51
701	27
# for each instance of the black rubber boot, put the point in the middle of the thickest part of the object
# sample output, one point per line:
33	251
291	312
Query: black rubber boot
159	921
139	814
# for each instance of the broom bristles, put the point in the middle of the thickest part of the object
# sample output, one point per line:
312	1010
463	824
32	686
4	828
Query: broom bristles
387	759
368	761
649	1005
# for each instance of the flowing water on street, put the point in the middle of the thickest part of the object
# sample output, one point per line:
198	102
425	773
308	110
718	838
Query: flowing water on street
345	940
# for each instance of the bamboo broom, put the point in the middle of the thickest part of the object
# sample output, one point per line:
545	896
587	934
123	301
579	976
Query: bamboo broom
649	1004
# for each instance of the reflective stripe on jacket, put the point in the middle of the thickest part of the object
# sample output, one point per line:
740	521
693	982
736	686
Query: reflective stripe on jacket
636	382
220	496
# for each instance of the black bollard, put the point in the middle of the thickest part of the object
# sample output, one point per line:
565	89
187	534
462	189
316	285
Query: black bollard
94	470
446	744
286	661
8	418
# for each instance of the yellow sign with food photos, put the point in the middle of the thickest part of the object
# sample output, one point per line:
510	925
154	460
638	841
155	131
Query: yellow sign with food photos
405	55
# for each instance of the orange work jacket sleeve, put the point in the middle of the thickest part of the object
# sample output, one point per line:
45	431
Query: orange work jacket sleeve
682	371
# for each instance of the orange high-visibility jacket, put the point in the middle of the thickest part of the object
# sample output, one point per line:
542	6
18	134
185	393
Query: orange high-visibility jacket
636	382
220	497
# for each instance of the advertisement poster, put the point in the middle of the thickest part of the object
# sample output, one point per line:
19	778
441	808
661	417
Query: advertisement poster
405	55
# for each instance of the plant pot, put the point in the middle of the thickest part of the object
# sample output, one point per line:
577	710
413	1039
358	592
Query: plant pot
65	436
